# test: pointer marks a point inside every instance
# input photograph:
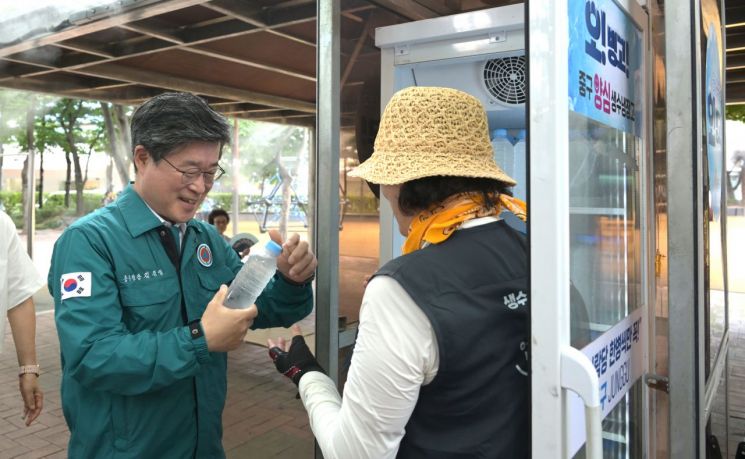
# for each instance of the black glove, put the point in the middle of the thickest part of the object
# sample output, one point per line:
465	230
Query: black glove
295	363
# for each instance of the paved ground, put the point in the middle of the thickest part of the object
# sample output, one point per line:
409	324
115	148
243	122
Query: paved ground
262	418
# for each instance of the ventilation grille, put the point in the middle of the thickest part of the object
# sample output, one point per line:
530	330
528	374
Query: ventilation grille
505	79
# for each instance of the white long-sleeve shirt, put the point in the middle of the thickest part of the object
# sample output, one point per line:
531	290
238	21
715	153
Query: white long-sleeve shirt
395	354
19	279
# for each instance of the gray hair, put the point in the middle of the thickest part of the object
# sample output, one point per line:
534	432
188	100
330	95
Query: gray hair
173	119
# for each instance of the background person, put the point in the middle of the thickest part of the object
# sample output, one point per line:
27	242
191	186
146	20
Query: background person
138	289
219	218
440	366
19	280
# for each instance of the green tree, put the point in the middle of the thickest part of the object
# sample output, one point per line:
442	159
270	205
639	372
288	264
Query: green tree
44	135
261	146
79	128
116	123
13	108
736	113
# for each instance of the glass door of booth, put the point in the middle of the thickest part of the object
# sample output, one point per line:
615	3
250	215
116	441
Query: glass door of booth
585	178
588	226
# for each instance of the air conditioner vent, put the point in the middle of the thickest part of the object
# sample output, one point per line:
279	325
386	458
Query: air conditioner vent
505	79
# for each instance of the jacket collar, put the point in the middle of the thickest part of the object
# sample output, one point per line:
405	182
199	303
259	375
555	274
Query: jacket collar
137	216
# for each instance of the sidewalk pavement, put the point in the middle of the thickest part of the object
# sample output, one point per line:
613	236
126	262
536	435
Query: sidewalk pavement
262	418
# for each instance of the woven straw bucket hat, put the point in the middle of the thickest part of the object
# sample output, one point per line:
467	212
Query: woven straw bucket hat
430	131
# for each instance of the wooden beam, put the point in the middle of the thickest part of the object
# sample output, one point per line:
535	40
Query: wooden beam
408	9
292	3
258	116
63	90
154	32
74	31
28	60
239	10
305	13
735	16
132	93
357	48
735	42
735	61
99	88
233	106
148	78
201	35
218	31
52	58
13	69
353	17
47	87
258	65
126	50
212	31
223	103
438	7
83	47
735	93
736	76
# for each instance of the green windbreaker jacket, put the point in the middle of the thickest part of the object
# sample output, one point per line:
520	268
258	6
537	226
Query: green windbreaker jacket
135	383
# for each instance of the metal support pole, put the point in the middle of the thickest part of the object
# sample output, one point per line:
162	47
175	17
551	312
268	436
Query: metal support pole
685	238
326	228
548	167
236	176
29	210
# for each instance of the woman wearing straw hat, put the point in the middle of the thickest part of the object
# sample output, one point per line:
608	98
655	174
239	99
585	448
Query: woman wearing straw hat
440	364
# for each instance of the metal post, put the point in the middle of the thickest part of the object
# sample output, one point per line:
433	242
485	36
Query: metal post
326	228
30	204
310	208
29	210
548	146
236	176
685	238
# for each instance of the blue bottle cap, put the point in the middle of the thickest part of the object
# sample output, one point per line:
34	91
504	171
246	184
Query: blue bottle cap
273	248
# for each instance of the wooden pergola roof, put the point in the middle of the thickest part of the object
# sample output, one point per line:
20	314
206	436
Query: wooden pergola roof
735	21
250	59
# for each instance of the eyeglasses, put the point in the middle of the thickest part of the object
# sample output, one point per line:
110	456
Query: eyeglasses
192	175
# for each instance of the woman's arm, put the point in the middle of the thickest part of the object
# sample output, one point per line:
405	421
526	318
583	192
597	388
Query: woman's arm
395	354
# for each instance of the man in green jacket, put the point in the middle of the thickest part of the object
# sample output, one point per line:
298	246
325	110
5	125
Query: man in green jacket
138	298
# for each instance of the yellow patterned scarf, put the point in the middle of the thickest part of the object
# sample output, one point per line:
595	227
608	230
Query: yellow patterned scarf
439	223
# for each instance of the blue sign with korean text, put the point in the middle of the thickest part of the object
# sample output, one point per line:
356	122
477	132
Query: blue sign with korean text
618	358
714	120
605	65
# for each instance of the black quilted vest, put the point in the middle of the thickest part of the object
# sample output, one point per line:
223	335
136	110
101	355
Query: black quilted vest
473	288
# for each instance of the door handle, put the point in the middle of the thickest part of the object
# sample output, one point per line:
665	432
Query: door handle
579	376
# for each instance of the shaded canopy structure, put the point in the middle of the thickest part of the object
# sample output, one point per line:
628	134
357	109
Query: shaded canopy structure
250	59
735	19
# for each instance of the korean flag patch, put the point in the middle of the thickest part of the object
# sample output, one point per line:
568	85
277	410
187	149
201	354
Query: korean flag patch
75	284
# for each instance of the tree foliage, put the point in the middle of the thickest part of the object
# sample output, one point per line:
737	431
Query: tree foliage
736	113
13	108
77	127
263	146
116	122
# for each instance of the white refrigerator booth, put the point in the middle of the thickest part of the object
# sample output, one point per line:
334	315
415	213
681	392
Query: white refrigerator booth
587	177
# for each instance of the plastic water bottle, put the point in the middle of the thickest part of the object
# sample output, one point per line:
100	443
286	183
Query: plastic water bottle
253	277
